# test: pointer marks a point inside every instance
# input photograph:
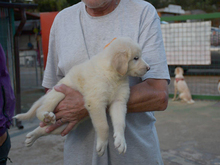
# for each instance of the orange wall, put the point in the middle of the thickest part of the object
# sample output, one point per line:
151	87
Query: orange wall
159	13
46	20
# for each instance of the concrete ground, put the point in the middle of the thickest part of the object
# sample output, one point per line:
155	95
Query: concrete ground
188	134
47	150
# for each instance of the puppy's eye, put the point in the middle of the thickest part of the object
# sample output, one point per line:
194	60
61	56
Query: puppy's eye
136	58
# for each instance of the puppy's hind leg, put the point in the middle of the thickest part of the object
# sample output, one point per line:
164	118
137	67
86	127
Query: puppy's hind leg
45	111
182	97
118	111
31	137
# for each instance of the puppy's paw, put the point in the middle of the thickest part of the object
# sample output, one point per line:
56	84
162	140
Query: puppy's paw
30	139
101	146
120	143
49	117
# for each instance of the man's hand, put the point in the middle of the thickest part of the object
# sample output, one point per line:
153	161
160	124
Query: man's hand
70	110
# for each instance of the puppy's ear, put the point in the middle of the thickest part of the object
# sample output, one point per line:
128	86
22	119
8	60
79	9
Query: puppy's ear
120	62
182	70
176	71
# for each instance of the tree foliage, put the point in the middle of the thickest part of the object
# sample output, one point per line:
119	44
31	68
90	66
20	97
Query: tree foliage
51	5
72	2
206	5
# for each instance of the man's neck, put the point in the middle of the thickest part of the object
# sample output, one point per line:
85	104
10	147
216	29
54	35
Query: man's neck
103	10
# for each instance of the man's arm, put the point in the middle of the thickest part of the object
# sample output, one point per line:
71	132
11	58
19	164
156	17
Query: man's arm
150	95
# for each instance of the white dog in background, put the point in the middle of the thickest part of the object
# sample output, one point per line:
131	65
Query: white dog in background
181	87
103	81
219	86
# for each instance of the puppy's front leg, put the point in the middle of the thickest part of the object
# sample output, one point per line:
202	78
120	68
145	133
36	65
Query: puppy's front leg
118	111
98	116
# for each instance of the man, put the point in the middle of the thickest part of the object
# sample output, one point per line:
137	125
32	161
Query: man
78	33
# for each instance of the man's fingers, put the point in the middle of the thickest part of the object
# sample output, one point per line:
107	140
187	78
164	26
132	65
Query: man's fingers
69	127
62	88
54	126
48	91
60	114
42	124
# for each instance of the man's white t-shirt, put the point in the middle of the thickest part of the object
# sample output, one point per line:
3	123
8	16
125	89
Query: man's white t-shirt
75	37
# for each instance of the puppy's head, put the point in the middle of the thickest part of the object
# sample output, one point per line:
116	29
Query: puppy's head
126	58
179	71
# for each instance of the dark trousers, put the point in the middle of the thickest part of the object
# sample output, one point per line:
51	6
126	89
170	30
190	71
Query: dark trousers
4	150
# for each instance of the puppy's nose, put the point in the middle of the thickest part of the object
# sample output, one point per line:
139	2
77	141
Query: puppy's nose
148	68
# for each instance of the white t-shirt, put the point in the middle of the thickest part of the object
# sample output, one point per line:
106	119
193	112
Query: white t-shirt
75	37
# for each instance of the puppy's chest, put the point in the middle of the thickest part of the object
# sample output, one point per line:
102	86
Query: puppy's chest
112	93
104	90
118	92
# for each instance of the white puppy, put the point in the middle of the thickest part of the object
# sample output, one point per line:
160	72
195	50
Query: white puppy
181	86
103	81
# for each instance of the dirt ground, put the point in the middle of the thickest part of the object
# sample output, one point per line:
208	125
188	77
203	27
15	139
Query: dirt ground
188	134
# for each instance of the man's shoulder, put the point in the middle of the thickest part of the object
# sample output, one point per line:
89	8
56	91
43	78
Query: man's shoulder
140	3
140	9
69	11
140	6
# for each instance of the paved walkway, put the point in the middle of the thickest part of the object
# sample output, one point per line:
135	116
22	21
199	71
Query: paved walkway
188	134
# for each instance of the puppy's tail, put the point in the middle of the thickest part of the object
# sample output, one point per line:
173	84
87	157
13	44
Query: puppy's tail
191	101
31	113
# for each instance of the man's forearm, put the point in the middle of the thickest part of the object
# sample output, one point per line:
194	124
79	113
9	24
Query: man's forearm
150	95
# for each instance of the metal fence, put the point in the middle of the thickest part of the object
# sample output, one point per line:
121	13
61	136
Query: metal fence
6	38
31	73
193	43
